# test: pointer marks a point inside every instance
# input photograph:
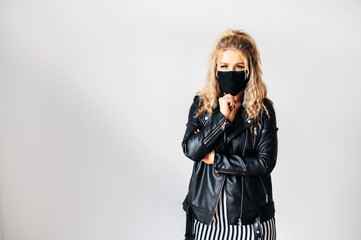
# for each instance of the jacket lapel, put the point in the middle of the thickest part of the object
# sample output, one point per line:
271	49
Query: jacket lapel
240	123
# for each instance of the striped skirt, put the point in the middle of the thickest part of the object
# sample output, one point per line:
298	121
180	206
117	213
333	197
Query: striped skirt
221	230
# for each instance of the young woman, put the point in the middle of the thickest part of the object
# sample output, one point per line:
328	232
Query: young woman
231	135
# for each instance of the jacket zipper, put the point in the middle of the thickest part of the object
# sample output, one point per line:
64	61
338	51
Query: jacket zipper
264	189
240	216
205	125
224	137
254	141
222	127
216	172
255	137
219	195
245	142
220	191
203	122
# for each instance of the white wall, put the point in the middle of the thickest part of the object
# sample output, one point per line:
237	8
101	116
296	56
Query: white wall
94	97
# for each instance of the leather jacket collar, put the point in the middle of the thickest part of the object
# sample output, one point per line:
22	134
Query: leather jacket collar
241	122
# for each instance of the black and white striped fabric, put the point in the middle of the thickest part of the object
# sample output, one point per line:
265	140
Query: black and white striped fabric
221	230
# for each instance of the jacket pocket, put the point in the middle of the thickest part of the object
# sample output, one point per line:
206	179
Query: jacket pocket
264	189
262	193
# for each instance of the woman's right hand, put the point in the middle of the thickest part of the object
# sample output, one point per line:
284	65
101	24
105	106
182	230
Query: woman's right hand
226	104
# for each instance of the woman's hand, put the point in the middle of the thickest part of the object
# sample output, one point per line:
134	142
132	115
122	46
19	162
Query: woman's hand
209	158
234	112
226	104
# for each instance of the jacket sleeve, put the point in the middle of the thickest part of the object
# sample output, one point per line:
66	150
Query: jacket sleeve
197	145
259	162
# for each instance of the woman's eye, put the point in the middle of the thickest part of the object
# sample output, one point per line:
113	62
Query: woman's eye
240	67
223	66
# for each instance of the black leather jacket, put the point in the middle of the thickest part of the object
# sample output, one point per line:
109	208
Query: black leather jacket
242	165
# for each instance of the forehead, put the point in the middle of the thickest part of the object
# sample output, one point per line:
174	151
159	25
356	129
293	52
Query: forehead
231	56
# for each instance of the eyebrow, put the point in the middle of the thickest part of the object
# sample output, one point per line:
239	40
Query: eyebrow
236	63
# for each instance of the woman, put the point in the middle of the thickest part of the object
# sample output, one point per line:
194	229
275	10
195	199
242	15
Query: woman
231	136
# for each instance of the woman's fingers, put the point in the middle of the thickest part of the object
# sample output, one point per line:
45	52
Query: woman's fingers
227	104
206	160
209	158
231	101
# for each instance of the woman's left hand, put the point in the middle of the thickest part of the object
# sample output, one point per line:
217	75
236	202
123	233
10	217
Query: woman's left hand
209	158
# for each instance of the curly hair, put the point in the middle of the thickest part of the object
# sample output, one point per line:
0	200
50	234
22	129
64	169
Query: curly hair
255	91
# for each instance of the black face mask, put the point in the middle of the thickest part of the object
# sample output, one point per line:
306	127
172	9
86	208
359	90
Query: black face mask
232	82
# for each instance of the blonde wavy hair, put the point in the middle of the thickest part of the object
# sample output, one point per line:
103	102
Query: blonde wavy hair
255	91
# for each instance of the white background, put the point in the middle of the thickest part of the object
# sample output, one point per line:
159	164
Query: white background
94	98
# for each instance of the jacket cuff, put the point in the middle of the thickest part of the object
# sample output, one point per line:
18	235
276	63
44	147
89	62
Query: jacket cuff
216	127
228	124
232	164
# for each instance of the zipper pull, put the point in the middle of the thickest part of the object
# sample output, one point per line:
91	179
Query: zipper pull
239	221
255	136
215	172
266	198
